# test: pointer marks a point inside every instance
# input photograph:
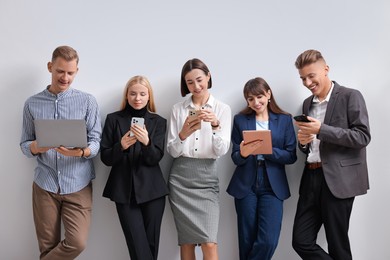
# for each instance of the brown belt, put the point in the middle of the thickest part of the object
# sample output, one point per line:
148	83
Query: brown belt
313	166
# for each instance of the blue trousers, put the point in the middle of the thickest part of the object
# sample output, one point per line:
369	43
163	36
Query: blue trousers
259	217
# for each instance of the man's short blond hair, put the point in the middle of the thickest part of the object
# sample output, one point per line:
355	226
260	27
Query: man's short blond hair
65	52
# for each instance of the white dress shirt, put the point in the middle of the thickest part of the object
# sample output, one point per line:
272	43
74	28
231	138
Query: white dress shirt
203	143
318	111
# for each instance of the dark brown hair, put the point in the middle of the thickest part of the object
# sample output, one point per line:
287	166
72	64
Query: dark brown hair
258	86
308	57
187	67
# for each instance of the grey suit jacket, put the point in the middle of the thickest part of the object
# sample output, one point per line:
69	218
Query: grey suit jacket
344	136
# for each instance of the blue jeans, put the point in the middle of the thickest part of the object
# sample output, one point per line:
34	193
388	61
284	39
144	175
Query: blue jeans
259	217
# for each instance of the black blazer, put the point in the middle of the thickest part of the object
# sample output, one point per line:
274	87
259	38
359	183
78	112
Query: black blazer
138	166
344	136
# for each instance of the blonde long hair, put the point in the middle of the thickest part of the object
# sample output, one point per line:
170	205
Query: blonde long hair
144	82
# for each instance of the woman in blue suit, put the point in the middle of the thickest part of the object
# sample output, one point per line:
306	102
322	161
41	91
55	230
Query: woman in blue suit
259	183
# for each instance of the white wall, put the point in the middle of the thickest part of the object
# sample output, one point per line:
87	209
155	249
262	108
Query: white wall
238	40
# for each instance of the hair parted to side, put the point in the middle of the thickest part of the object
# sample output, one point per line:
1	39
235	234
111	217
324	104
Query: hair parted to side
258	86
151	107
187	67
65	52
308	57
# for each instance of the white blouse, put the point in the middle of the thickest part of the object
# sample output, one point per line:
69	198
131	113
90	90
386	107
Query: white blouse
203	143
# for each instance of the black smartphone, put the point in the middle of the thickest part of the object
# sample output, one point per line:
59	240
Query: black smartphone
301	118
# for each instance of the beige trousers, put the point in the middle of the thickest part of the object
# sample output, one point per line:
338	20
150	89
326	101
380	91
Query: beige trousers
74	210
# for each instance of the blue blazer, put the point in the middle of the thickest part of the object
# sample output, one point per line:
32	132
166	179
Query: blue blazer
283	152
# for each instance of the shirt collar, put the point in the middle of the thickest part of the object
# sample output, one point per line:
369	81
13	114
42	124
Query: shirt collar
209	104
316	100
59	95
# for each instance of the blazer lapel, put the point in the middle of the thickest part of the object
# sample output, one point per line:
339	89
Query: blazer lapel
148	119
332	103
307	104
124	122
251	122
273	121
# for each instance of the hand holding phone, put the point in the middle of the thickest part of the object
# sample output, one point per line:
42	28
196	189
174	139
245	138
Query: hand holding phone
302	118
193	112
193	117
136	121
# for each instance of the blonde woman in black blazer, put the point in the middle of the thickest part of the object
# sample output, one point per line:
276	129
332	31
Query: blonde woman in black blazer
136	183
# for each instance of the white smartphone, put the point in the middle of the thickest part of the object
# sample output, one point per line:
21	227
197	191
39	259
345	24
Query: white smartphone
137	121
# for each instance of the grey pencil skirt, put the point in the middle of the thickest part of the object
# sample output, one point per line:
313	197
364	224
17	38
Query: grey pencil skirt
194	199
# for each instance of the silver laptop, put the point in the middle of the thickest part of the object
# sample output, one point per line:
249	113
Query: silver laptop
55	133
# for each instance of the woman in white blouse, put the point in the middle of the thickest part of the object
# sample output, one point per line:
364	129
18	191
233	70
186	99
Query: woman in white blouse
199	133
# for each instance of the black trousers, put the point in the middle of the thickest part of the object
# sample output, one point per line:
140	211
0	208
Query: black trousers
141	227
316	207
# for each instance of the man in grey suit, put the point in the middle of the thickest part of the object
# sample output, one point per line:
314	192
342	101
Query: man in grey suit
335	142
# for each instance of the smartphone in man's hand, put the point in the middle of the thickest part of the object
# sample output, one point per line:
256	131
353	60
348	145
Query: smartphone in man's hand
301	118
